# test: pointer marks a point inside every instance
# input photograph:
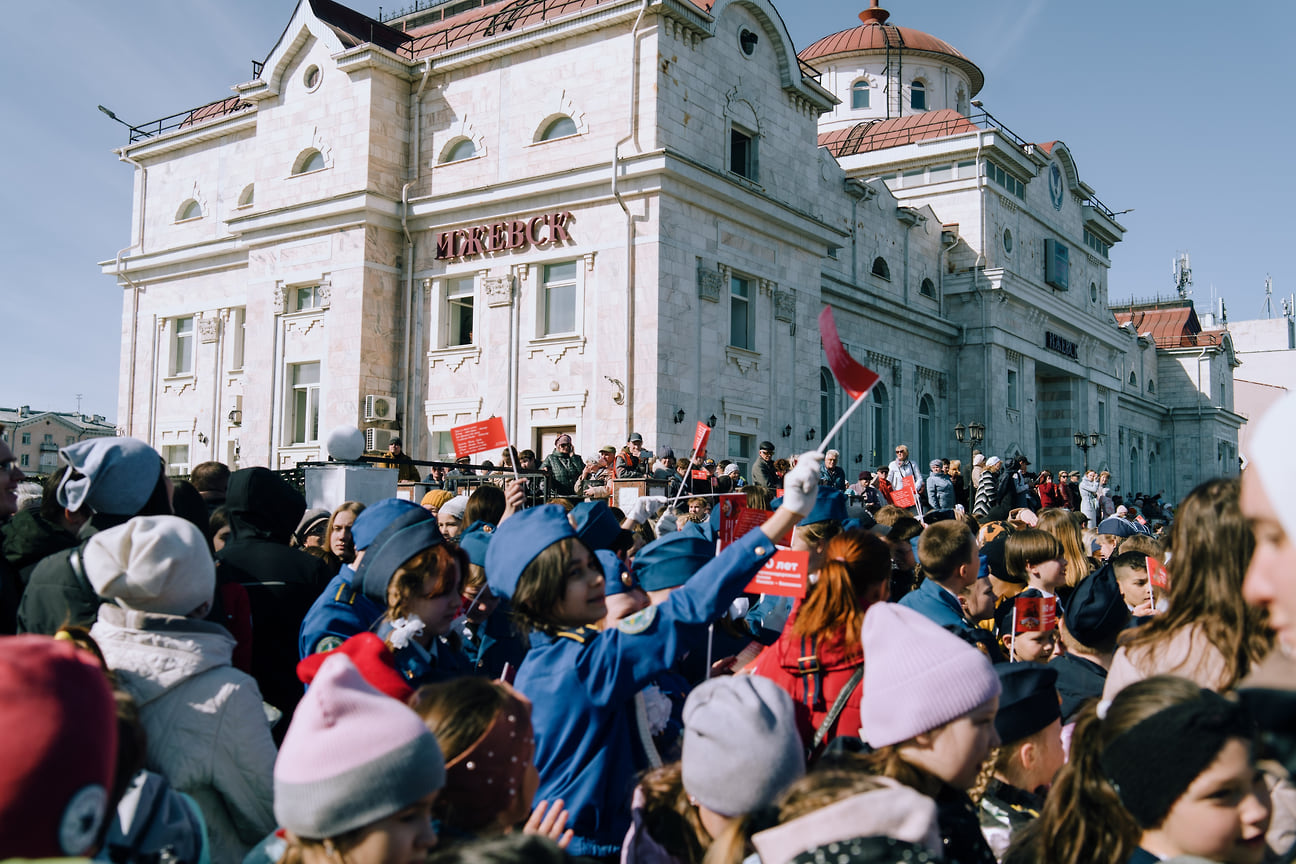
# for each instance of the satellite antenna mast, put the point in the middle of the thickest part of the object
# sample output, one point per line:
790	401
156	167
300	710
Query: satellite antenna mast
1182	271
1267	310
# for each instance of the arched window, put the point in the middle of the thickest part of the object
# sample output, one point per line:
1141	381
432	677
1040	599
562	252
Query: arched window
1133	379
827	400
1153	482
860	94
559	128
1151	386
927	288
881	269
308	161
918	96
246	196
926	430
462	149
1135	484
190	209
879	424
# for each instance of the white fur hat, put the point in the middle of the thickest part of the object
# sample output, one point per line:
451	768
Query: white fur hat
153	564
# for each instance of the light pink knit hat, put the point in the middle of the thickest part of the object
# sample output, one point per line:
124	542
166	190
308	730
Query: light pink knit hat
917	675
352	756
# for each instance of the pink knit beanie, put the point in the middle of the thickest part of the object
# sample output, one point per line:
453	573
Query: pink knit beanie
352	756
917	676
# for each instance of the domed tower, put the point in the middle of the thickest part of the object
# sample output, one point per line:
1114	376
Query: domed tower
879	71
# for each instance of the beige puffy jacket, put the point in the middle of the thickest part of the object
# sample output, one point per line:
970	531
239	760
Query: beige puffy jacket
207	730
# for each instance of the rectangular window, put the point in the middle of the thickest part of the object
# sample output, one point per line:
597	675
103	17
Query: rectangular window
48	439
559	298
459	311
1093	242
177	459
742	153
182	346
237	334
940	173
741	325
24	460
740	450
306	297
305	402
967	169
1006	180
26	437
1012	389
1102	417
442	447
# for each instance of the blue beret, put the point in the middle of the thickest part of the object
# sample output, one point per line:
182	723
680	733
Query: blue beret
381	561
119	475
1117	527
475	540
705	530
615	578
1029	701
378	516
517	542
596	524
1094	611
830	505
669	561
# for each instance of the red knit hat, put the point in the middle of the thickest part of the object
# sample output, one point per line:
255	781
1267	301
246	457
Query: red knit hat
58	748
371	657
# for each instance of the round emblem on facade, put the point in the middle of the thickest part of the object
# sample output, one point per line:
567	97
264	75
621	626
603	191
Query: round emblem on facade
1056	185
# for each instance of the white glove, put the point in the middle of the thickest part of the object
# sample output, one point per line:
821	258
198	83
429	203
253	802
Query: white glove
801	485
645	506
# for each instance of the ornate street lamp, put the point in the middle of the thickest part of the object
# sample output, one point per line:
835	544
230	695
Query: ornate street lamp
973	433
1086	443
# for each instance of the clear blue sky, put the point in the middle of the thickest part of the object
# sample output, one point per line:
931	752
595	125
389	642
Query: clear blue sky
1174	109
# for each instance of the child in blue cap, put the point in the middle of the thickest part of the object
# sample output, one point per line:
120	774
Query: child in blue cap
583	680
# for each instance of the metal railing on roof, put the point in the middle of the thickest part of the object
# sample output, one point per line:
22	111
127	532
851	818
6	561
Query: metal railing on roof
192	117
502	20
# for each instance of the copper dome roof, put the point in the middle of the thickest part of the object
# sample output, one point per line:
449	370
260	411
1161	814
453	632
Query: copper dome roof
876	35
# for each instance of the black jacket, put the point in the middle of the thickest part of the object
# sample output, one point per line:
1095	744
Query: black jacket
1079	680
57	593
281	582
30	537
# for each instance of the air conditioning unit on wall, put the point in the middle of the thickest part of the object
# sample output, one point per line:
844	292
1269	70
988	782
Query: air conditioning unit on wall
378	439
379	408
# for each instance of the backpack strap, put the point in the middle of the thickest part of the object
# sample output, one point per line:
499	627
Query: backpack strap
838	704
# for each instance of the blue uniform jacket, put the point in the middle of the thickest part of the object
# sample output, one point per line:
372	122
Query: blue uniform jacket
582	684
493	643
936	603
339	613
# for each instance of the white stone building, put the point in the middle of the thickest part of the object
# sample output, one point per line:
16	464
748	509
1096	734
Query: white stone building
605	216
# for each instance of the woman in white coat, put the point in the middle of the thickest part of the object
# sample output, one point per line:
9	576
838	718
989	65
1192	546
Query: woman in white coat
207	731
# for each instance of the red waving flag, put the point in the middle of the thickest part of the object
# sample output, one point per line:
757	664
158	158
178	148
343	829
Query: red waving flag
476	437
854	378
700	438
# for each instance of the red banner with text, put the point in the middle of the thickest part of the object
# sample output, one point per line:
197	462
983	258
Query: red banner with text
476	437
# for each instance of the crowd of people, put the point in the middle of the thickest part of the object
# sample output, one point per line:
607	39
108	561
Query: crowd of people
997	667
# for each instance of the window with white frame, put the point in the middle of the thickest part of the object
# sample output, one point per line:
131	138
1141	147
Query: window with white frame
177	459
237	335
741	448
918	96
305	406
182	346
860	94
742	322
459	299
562	127
742	152
558	299
306	297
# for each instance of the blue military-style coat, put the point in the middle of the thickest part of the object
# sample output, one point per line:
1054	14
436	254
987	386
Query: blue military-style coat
339	613
582	685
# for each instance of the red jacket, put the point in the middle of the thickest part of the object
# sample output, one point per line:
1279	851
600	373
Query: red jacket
814	691
1050	495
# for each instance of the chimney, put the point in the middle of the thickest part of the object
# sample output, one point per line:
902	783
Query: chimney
24	411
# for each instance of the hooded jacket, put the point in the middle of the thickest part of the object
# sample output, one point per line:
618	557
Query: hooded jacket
281	582
207	732
29	537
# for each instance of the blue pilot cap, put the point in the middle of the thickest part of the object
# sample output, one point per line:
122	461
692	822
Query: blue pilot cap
705	530
1117	527
669	561
1094	611
475	540
383	558
374	518
596	524
830	505
1029	701
517	542
616	578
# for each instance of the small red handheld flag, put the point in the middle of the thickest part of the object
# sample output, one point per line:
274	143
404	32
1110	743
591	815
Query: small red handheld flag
855	378
1034	614
476	437
1158	574
700	437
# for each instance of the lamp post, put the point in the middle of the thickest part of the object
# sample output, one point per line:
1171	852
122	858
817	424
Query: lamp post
973	434
1086	443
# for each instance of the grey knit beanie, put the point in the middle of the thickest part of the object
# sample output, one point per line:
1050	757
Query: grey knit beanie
352	756
741	747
